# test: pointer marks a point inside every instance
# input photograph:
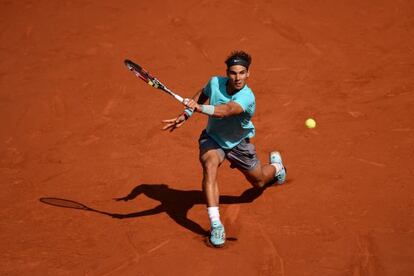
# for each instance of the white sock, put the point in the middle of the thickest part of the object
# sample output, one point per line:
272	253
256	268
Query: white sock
213	214
278	168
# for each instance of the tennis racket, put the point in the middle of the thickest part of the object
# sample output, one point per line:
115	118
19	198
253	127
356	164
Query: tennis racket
150	80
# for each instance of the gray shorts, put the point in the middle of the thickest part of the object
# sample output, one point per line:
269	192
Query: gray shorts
243	156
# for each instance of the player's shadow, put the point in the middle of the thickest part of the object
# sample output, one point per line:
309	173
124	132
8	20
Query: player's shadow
177	203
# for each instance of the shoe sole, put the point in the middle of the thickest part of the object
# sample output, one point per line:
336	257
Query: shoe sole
210	244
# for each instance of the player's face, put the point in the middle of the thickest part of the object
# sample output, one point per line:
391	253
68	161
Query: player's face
238	76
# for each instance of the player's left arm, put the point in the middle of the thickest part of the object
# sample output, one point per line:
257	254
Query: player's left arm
231	108
172	124
226	110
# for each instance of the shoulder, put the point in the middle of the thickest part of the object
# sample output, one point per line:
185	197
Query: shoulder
214	83
245	98
246	93
218	80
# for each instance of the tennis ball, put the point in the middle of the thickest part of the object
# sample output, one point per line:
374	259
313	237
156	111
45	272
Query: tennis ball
310	123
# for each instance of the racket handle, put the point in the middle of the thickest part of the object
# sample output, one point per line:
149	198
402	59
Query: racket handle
179	98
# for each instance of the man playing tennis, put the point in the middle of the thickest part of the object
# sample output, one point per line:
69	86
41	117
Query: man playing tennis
227	136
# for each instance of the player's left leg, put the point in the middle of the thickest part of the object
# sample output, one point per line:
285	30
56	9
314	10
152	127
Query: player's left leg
244	157
260	175
275	172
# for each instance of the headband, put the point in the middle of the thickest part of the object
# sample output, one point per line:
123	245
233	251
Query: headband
237	61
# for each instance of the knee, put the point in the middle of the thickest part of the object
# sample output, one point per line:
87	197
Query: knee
258	183
257	177
209	165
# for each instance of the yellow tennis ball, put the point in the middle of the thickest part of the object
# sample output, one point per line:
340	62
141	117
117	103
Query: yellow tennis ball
310	123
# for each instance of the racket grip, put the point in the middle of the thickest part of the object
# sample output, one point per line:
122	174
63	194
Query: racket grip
182	100
179	98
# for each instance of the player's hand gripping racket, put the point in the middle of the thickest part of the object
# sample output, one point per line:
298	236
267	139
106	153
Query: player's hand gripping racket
151	80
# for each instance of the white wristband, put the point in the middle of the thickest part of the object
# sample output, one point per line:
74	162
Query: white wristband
188	111
207	109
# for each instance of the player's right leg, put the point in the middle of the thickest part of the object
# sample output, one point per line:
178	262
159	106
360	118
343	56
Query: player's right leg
210	162
211	156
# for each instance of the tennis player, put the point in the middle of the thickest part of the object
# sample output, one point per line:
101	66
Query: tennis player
231	106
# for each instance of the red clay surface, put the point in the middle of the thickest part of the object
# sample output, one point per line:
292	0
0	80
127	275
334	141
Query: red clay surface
75	124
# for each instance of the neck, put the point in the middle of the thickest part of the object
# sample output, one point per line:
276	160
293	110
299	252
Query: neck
232	90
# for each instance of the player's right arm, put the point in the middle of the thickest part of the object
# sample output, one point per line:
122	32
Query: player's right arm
172	124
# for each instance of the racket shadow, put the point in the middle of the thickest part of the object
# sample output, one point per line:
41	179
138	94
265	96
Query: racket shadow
67	203
175	203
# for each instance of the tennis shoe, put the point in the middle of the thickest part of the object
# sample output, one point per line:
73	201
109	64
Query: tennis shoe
217	234
276	158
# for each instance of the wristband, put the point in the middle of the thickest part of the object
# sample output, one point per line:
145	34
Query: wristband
188	111
207	109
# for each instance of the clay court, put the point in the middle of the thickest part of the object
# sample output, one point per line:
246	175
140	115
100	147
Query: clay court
77	125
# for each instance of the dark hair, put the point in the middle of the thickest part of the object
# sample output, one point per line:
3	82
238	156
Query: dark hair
238	58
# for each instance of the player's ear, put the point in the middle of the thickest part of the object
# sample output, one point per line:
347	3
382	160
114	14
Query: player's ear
248	73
